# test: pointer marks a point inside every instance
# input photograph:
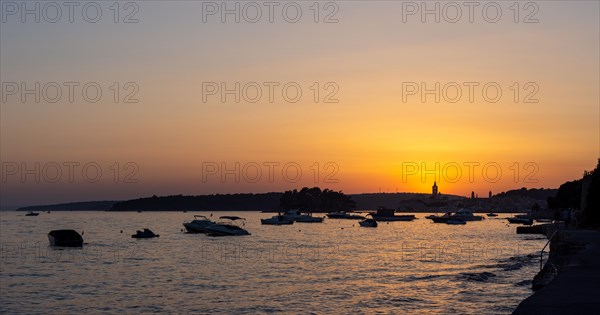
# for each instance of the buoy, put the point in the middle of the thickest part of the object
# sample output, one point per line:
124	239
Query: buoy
121	231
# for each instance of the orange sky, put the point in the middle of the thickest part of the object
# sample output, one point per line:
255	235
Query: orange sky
368	135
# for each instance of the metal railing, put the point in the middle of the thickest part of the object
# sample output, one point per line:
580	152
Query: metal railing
542	251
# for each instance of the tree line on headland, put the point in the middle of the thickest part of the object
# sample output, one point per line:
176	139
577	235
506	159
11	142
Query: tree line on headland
309	199
313	199
224	202
582	194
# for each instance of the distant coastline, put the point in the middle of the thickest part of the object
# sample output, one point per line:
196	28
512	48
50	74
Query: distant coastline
510	201
73	206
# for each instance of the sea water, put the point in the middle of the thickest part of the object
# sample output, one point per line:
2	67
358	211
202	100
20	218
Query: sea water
330	267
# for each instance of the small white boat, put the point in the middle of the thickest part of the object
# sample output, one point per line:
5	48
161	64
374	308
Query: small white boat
277	220
198	225
226	226
368	223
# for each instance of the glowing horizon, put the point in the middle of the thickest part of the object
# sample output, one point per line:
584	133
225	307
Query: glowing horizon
358	110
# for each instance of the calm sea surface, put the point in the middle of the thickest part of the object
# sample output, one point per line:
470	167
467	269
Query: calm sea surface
331	267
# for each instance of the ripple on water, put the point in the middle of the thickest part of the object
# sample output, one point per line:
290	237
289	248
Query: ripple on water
513	263
476	276
323	269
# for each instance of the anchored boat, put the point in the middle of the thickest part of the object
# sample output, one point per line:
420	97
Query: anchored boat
227	225
65	238
146	233
520	220
344	215
368	223
297	216
384	214
198	225
277	220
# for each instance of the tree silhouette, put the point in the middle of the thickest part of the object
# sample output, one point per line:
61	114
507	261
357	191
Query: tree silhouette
315	199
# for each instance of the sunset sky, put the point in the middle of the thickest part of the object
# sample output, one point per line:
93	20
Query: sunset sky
173	142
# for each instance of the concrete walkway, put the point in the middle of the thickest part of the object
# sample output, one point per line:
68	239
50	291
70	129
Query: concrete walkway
576	289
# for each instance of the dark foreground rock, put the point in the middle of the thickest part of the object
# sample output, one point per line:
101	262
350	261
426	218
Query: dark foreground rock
576	287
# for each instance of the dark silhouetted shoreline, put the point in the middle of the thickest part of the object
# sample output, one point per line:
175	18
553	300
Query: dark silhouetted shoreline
576	287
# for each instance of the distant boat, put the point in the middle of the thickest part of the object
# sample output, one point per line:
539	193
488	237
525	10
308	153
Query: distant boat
384	214
467	215
227	226
297	216
441	218
460	215
491	215
277	220
66	238
146	233
368	223
456	221
198	225
32	214
344	215
520	220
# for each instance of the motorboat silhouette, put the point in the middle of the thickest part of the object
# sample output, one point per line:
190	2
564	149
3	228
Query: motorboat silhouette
298	216
277	220
198	225
344	215
66	238
146	233
384	214
368	223
226	226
